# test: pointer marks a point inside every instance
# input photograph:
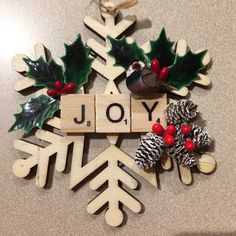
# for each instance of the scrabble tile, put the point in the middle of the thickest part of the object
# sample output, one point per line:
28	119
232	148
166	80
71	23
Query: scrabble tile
145	112
113	113
78	113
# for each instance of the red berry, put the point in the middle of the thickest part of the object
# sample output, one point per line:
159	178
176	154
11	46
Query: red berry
163	73
52	92
158	129
155	66
169	140
186	129
58	85
69	88
170	129
189	145
136	65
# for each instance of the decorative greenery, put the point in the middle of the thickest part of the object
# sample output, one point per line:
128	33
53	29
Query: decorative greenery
34	113
77	67
77	63
185	69
126	53
161	49
44	73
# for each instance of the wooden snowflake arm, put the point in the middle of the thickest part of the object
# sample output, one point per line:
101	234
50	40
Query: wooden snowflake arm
185	174
121	175
19	65
113	195
40	155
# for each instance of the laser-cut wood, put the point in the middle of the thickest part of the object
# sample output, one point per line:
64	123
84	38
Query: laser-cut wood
145	112
113	113
58	143
78	113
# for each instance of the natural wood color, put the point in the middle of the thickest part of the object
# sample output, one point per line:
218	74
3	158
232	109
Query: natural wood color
185	174
206	164
112	155
103	125
140	117
18	63
71	108
166	162
40	156
20	66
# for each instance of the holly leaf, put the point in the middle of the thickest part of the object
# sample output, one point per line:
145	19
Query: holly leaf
161	49
44	73
126	53
34	113
77	63
185	69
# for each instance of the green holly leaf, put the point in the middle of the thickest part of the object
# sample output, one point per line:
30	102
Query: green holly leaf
126	53
34	113
77	63
185	69
44	73
161	49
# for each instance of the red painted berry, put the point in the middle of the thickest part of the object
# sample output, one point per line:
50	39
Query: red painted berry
169	140
155	66
189	145
158	129
170	129
136	66
164	73
69	88
58	85
186	129
52	92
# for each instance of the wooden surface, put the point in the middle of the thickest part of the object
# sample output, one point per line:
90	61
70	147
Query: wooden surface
25	210
113	113
80	107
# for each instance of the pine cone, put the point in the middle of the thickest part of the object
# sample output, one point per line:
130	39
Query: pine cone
180	111
200	136
188	159
149	151
177	151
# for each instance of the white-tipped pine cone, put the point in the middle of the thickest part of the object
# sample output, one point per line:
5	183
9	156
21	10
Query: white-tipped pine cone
180	111
200	136
149	151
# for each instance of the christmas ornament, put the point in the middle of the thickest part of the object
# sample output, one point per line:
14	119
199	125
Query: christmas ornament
179	67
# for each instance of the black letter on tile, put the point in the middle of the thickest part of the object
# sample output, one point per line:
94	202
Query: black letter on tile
82	116
122	111
150	110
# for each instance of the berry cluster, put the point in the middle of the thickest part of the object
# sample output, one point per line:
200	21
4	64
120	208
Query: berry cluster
169	135
162	73
60	88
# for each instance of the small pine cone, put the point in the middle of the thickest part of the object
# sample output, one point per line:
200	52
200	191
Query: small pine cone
180	111
149	151
200	136
188	159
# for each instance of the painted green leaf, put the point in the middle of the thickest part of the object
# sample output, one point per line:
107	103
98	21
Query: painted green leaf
44	73
125	53
34	113
161	49
77	63
185	69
